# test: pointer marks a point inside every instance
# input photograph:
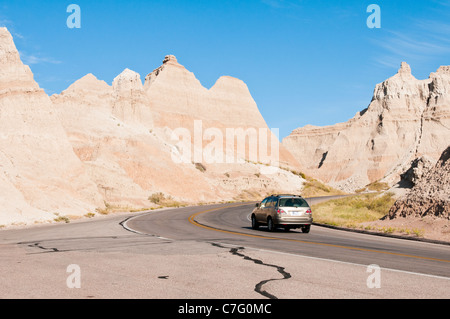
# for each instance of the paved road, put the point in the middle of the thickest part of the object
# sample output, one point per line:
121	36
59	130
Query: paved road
232	226
211	252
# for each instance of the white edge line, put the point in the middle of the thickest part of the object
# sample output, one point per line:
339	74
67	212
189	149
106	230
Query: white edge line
124	225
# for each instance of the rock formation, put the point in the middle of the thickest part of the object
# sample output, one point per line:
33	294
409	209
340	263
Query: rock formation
430	195
178	99
419	167
39	172
122	133
406	119
96	145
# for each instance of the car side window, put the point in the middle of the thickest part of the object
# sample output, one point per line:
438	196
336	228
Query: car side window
264	202
271	202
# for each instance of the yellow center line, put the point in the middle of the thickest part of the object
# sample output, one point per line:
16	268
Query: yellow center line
194	222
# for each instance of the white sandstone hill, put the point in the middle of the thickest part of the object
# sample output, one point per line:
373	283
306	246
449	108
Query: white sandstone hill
39	172
97	144
406	119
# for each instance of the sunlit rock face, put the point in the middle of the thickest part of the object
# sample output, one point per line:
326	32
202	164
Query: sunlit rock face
406	119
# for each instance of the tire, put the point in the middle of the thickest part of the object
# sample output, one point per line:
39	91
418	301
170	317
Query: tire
306	229
255	224
270	224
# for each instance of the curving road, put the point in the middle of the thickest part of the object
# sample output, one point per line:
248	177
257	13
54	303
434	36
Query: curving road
231	225
212	252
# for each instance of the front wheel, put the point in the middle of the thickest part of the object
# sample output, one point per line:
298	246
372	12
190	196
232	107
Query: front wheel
255	224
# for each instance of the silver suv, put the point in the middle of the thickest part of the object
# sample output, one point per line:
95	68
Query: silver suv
287	211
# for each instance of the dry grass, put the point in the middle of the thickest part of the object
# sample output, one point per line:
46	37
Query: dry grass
60	218
351	211
374	187
315	188
164	200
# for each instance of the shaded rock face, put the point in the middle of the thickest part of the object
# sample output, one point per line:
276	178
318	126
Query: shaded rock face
418	168
406	119
430	195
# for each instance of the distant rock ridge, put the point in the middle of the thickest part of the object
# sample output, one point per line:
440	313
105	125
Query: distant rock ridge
407	118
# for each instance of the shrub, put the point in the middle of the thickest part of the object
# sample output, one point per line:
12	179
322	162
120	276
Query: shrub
157	198
200	167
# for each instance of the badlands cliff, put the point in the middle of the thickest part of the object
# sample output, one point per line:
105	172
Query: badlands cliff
406	119
431	194
39	171
97	144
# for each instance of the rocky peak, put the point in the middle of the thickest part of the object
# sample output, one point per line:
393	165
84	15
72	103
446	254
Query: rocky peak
89	82
13	73
171	59
126	81
405	69
444	69
177	73
401	86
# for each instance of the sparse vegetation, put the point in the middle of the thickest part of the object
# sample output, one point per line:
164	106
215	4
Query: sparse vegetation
200	167
89	215
104	211
374	187
164	200
354	212
59	218
351	211
302	175
315	188
156	198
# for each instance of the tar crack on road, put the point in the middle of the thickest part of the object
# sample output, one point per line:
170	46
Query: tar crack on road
258	288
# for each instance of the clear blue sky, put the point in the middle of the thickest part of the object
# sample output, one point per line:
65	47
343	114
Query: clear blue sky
305	61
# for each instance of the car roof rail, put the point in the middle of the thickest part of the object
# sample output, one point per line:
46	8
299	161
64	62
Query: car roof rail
286	195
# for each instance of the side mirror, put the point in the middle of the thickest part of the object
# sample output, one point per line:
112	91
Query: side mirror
257	205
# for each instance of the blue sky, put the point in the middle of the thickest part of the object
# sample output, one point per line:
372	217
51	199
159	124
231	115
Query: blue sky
305	61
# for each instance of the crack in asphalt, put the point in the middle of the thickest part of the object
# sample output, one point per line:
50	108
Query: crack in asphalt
79	244
47	250
258	286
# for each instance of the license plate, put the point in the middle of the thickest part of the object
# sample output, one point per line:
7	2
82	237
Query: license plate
296	213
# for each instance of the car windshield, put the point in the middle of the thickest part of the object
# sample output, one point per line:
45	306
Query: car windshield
292	202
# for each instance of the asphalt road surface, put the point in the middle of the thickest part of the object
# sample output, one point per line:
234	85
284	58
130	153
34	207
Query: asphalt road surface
212	252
